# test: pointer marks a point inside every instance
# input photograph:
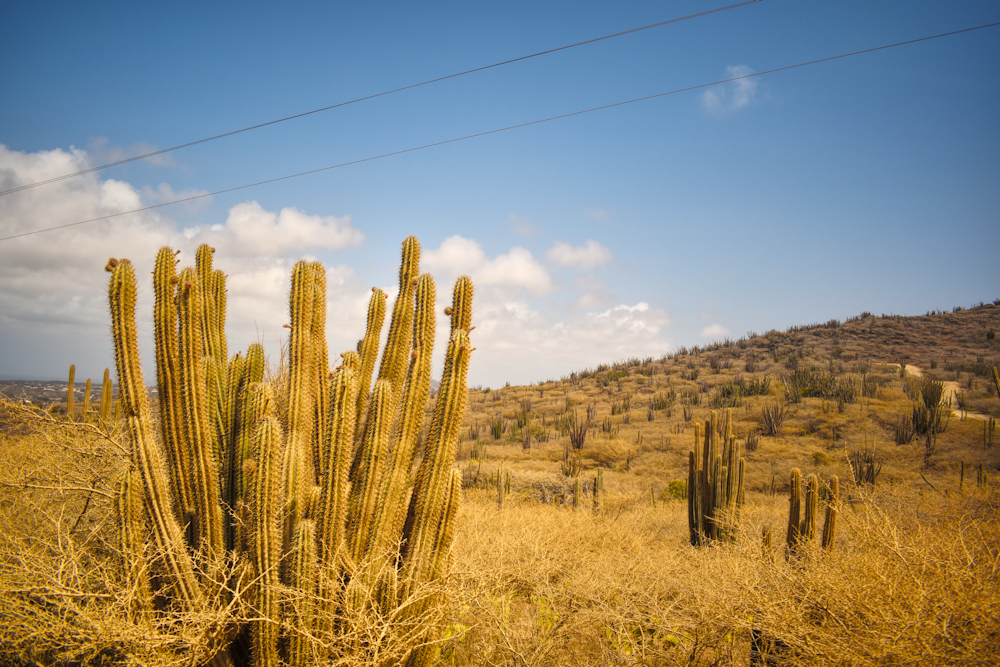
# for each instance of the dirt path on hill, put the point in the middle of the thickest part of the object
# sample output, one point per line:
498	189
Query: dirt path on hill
950	389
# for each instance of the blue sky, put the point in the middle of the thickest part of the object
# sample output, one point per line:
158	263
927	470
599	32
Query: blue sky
867	183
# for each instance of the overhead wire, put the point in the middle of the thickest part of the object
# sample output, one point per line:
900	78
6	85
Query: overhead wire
507	128
188	144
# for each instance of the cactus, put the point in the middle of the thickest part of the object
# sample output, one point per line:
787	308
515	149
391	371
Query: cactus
147	462
715	481
598	490
86	401
70	393
292	500
794	509
105	411
808	527
265	547
830	522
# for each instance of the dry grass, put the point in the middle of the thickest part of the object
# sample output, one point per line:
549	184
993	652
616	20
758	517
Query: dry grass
913	577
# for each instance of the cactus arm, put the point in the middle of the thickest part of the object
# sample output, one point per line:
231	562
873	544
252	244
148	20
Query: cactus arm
70	394
392	508
321	361
461	305
298	469
429	493
794	508
146	457
265	543
304	572
396	355
333	501
105	412
168	378
830	522
364	498
368	352
205	479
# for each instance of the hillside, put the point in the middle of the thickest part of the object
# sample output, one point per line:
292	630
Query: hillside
840	382
546	571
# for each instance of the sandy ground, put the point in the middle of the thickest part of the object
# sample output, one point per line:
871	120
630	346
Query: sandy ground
950	389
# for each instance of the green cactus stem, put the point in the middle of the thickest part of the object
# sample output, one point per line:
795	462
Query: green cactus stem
302	649
70	394
830	522
396	355
368	352
265	542
106	389
85	411
364	497
794	510
808	528
146	458
430	493
321	362
207	519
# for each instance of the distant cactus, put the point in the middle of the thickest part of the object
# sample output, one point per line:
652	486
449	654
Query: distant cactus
70	392
312	497
830	524
715	481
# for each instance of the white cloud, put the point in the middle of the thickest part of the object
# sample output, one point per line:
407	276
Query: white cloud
252	231
163	194
584	257
708	314
101	152
521	224
714	331
598	214
595	294
518	269
53	308
729	97
518	343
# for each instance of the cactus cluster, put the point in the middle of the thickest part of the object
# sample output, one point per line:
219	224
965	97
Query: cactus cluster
802	518
715	481
302	488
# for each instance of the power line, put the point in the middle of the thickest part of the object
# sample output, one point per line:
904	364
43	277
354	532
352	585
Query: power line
505	129
371	97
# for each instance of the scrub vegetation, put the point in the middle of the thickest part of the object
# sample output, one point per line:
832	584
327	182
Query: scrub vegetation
823	495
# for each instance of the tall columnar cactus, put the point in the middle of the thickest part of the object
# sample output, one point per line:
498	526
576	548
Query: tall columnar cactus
794	510
830	523
85	410
274	491
715	482
105	411
147	462
368	348
70	391
808	528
